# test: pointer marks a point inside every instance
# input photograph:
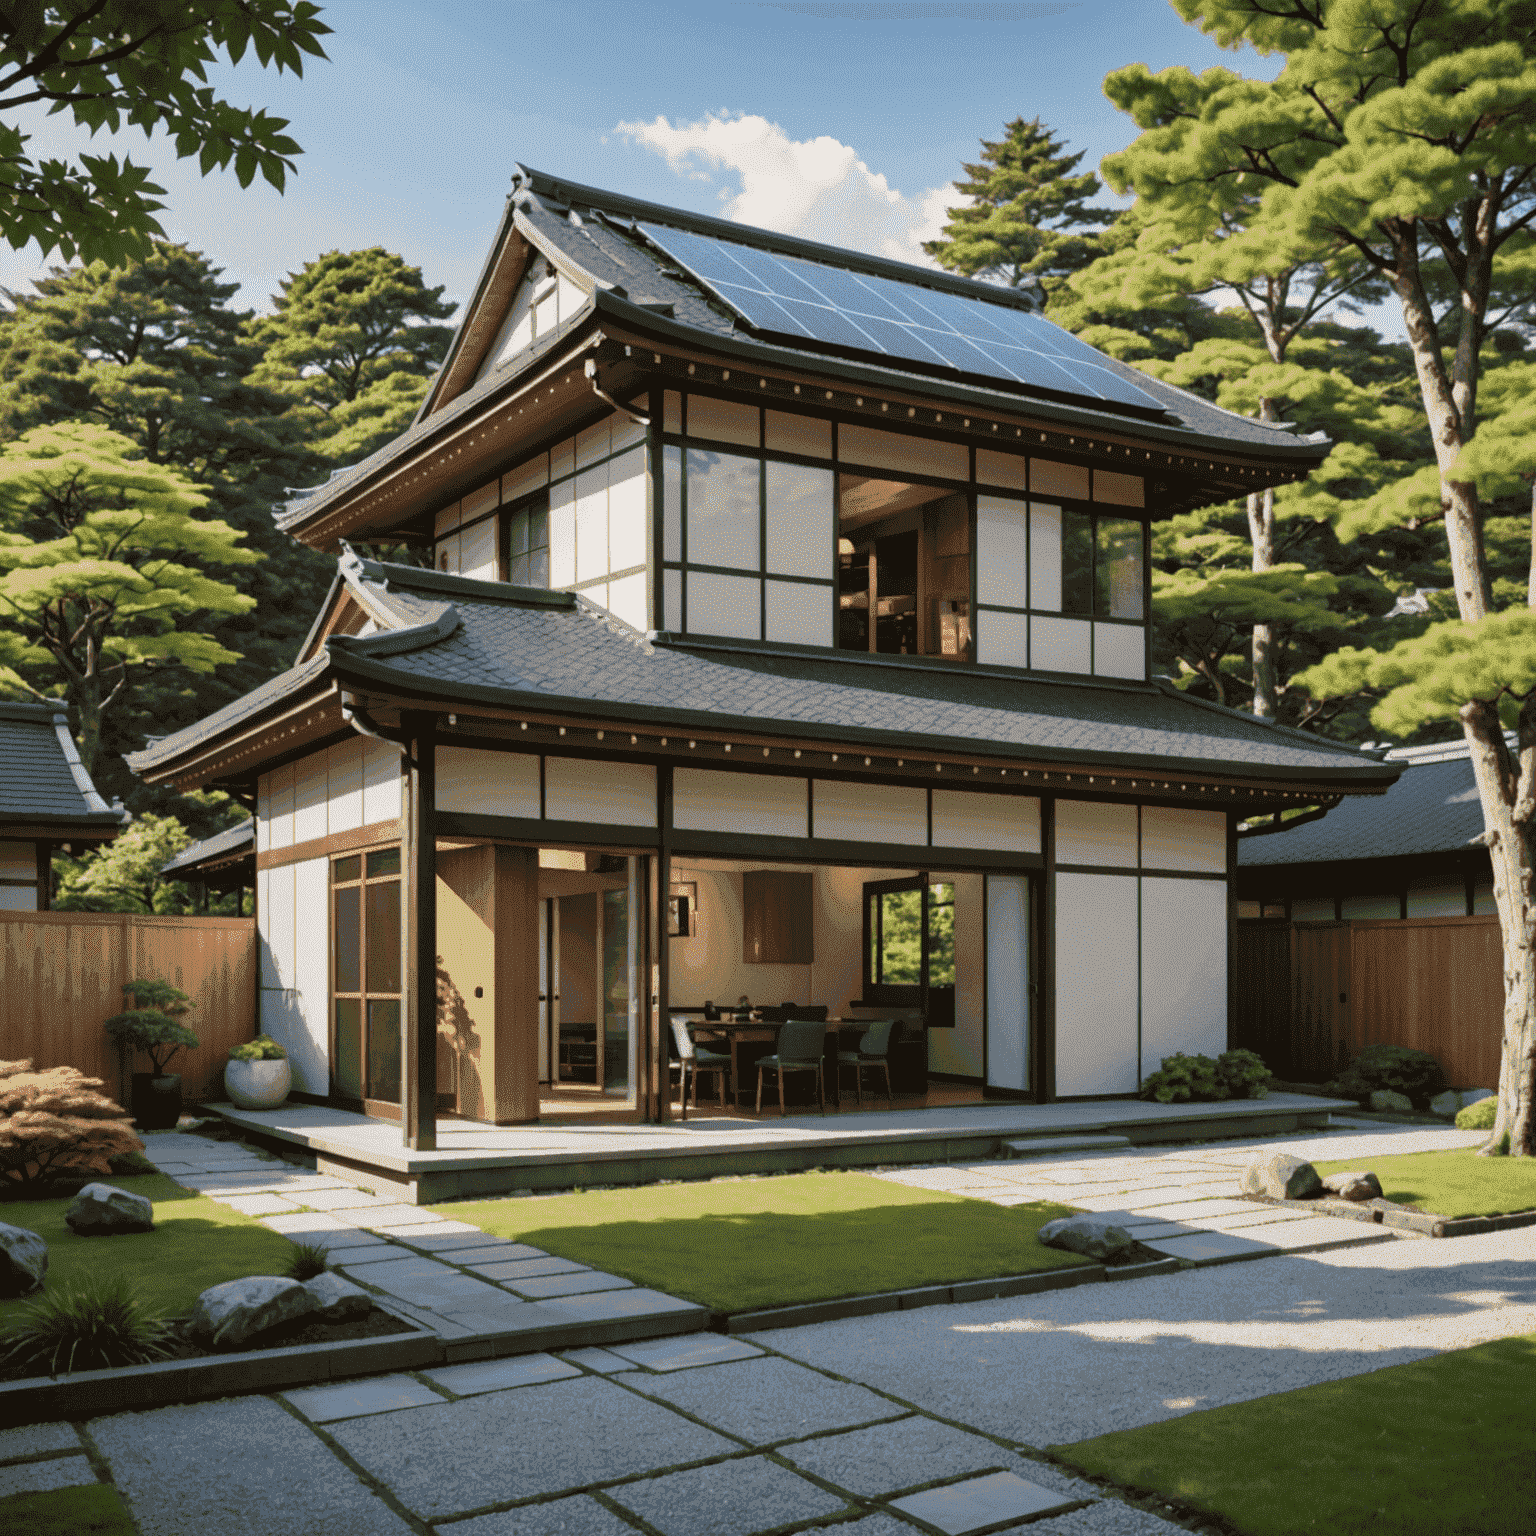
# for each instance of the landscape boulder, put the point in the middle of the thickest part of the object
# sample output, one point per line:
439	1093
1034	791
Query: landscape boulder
228	1315
103	1210
1396	1103
1448	1103
1096	1237
23	1261
1281	1177
339	1300
1353	1186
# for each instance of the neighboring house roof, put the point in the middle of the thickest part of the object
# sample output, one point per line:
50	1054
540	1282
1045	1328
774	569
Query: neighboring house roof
459	640
216	854
636	288
43	783
1433	808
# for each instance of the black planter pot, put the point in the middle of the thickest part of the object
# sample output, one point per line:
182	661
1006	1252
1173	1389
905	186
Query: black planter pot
156	1100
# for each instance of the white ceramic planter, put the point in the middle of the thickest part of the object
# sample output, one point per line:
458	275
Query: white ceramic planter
257	1084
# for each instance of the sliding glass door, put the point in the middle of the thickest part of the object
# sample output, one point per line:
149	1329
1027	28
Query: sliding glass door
1009	992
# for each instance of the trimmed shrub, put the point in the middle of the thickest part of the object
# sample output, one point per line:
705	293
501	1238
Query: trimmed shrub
1414	1074
55	1125
1477	1117
262	1048
88	1327
153	1024
1232	1075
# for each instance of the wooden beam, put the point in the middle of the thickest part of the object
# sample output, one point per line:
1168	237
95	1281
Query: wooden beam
418	1019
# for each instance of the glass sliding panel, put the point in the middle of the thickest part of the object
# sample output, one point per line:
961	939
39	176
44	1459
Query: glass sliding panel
347	948
384	1050
347	1063
1002	544
724	605
901	926
1118	569
1002	639
941	934
383	915
799	614
1045	556
672	503
616	989
1060	645
1008	1044
385	862
1119	650
723	509
1076	562
800	520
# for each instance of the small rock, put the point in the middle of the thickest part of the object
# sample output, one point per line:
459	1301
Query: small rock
1353	1186
1453	1099
23	1261
102	1210
338	1299
227	1315
1096	1237
1386	1099
1281	1177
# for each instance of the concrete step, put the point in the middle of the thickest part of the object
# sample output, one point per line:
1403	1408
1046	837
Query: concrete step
1038	1146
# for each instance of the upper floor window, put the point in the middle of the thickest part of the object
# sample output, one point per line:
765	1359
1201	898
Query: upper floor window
525	542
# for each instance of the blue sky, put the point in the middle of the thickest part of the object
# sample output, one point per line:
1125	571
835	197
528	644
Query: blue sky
843	122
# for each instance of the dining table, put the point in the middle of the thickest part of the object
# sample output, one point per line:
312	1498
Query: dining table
737	1031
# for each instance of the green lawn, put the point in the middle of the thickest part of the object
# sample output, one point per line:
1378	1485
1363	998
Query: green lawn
1435	1446
195	1244
1452	1183
739	1244
92	1510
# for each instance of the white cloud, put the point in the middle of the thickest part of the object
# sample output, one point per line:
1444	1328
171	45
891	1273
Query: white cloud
817	188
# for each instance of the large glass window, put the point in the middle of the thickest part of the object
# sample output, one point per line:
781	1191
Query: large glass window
909	944
365	976
724	509
525	542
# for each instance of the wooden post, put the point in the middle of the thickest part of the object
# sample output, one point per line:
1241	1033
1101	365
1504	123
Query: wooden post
44	875
418	1019
660	1054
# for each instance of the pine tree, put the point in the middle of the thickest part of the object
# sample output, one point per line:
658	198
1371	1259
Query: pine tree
1030	219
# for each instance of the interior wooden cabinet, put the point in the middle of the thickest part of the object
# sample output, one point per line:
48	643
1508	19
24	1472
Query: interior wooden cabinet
776	918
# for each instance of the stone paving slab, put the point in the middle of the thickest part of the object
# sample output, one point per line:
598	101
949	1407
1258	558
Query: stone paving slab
44	1476
449	1238
1208	1247
259	1205
477	1376
520	1269
638	1301
1313	1232
363	1253
390	1214
499	1447
982	1502
766	1401
1190	1210
581	1283
595	1359
882	1461
498	1250
36	1439
240	1467
579	1515
682	1353
732	1498
428	1283
325	1198
353	1399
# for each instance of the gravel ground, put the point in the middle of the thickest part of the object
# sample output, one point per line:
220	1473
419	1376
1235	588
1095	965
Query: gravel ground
1067	1365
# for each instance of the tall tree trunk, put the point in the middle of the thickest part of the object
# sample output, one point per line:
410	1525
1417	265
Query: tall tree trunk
1261	529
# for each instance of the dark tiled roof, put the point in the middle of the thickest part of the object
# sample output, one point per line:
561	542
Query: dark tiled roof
527	649
42	780
638	284
232	842
1433	808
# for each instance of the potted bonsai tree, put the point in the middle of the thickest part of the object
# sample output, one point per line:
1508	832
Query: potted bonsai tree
153	1025
257	1074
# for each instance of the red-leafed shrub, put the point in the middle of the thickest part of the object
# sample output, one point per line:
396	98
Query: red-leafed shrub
57	1124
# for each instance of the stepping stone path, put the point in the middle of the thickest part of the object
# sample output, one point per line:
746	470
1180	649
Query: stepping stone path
448	1275
694	1436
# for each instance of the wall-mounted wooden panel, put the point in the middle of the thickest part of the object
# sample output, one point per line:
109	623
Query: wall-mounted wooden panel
776	918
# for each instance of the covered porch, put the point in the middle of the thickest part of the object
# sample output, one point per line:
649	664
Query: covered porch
477	1160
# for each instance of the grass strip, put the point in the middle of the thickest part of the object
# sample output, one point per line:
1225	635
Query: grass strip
737	1244
1452	1183
1413	1450
196	1243
91	1510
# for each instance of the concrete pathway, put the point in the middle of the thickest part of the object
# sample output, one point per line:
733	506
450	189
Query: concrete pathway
1182	1201
448	1275
699	1436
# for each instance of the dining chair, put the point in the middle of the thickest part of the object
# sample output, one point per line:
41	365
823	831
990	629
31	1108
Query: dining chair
801	1042
874	1051
691	1061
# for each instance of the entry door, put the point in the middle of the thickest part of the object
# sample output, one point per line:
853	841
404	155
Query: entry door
1009	1016
546	1003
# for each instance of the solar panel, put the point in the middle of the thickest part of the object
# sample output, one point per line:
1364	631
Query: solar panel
861	312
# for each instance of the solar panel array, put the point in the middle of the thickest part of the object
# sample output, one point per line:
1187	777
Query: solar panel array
806	300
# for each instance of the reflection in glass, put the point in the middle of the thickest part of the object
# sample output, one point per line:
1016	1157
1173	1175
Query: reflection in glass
385	862
1119	569
1076	562
724	504
383	913
346	869
384	1050
800	520
941	934
616	971
347	1063
346	950
672	503
899	952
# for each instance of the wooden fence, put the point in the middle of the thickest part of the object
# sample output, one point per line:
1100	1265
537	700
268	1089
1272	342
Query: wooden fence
1309	995
62	974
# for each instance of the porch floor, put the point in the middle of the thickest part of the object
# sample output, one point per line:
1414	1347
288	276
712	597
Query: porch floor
473	1159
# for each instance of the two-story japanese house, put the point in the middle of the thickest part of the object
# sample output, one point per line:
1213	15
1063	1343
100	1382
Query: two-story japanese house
779	632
